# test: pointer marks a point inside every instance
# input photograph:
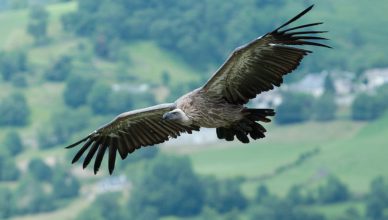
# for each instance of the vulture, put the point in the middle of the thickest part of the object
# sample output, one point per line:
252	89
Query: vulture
253	68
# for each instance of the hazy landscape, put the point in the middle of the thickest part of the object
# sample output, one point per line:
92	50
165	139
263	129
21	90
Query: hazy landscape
67	67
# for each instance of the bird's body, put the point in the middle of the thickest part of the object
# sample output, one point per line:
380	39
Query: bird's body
209	111
251	69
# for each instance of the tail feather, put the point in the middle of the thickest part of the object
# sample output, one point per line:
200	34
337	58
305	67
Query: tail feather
249	125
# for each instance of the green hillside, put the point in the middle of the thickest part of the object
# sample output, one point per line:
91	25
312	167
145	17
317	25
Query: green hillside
304	154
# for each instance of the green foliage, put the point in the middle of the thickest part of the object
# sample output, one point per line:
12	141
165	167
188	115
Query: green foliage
60	70
77	90
62	125
120	101
12	64
32	198
40	170
14	110
294	108
262	193
64	184
141	154
166	78
368	107
278	209
103	100
294	195
98	98
8	169
106	207
13	143
38	22
228	191
329	85
333	191
325	107
19	81
134	20
377	200
7	203
170	187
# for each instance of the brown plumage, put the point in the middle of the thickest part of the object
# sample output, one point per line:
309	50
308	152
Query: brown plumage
251	69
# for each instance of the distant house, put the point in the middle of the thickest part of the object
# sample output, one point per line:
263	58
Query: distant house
270	99
374	78
112	184
131	87
312	84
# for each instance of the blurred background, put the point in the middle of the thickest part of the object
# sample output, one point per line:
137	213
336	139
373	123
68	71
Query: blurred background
67	67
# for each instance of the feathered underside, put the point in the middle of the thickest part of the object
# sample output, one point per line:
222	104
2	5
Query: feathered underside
261	64
128	132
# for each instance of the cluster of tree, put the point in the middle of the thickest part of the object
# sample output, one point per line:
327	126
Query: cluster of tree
377	200
370	106
13	64
101	98
202	32
169	187
62	125
40	190
37	24
10	147
14	110
299	107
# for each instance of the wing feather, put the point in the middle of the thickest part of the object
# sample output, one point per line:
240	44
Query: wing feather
261	64
127	132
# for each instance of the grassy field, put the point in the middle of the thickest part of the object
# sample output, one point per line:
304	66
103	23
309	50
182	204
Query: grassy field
346	149
354	152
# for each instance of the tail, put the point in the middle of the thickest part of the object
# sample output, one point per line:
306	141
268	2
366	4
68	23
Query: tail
248	125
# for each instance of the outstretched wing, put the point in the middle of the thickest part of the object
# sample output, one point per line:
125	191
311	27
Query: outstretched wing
259	65
127	132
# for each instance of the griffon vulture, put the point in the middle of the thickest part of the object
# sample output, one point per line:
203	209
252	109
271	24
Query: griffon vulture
251	69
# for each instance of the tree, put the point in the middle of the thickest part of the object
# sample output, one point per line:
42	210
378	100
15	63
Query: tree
64	184
8	169
39	169
333	191
170	187
77	90
377	200
367	107
14	110
12	64
7	203
166	78
262	193
60	70
63	124
37	25
294	195
98	98
329	85
325	107
13	143
32	198
120	101
102	208
228	191
295	108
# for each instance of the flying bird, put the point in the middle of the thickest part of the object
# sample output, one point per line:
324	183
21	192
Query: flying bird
250	69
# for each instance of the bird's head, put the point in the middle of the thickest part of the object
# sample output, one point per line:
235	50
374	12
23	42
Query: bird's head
176	115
